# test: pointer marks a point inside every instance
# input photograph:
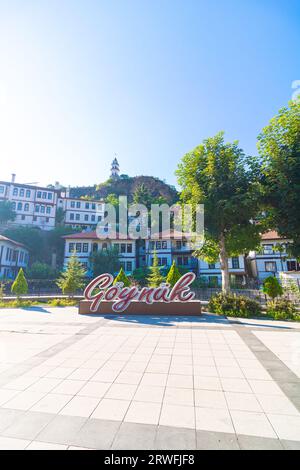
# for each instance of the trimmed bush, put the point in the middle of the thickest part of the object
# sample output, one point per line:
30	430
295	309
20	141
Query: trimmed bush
234	305
121	277
173	275
20	286
272	287
282	309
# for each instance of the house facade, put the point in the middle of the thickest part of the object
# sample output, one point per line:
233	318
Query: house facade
272	259
13	256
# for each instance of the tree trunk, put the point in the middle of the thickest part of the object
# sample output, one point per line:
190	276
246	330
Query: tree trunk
224	265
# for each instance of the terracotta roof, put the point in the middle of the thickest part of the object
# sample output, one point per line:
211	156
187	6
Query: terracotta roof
272	235
93	236
5	239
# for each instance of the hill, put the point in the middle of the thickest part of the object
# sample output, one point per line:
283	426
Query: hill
126	186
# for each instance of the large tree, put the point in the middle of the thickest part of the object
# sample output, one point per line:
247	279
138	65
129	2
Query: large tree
279	148
6	212
220	176
105	261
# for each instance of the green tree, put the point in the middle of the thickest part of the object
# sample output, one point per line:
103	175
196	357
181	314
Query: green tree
55	243
40	271
6	212
173	275
105	261
33	238
272	287
60	216
279	148
20	286
220	176
155	277
121	277
72	278
142	195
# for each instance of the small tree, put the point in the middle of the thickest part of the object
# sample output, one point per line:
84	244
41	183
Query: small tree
155	278
121	277
105	261
272	287
173	275
20	286
6	211
73	277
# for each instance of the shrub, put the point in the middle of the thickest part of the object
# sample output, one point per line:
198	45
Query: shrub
20	285
173	275
73	278
62	303
234	305
272	287
121	277
140	275
41	271
282	309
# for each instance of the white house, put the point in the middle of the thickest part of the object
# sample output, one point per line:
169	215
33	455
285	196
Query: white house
13	256
86	243
272	259
81	212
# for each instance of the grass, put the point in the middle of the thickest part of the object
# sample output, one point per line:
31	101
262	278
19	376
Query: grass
19	303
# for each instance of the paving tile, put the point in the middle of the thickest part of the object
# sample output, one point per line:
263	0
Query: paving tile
235	385
209	419
266	387
9	443
180	381
210	399
24	400
28	425
174	438
135	436
82	374
111	409
277	404
207	383
44	385
7	417
252	424
179	396
259	443
94	389
61	372
158	380
290	445
286	427
80	406
206	371
6	395
51	403
121	391
177	415
242	401
35	445
96	434
143	412
61	430
207	440
148	393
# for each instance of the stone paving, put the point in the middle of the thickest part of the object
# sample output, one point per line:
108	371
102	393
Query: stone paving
93	382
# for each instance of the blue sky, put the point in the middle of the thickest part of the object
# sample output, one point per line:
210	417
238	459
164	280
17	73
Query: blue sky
83	79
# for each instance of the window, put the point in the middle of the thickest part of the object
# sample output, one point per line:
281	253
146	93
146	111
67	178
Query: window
21	257
37	208
129	248
87	205
44	195
26	207
78	247
19	206
1	189
117	247
73	204
235	262
211	266
85	247
99	218
164	245
129	266
122	264
39	194
49	196
34	218
158	245
185	260
13	206
104	246
78	205
292	266
270	266
22	217
48	210
95	247
77	216
179	261
22	192
92	218
47	220
71	247
268	249
28	193
86	217
178	244
42	209
152	245
94	206
15	191
123	248
72	216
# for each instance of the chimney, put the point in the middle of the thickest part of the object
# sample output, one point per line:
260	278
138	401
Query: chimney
57	185
13	177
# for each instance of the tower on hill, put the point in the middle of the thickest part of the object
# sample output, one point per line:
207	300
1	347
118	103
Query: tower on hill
115	169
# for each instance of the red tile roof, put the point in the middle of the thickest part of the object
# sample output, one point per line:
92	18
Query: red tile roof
5	239
271	235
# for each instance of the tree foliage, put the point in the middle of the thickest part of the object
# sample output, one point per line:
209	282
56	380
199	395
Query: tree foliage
272	287
155	277
105	261
20	286
6	212
121	277
73	277
173	275
279	148
220	176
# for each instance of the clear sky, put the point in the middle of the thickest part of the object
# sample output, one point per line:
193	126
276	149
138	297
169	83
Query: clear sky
81	80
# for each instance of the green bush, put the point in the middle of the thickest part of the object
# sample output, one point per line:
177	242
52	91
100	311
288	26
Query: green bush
121	277
282	309
62	303
20	286
272	287
234	305
173	275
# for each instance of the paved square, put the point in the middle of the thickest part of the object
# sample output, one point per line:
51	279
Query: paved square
93	382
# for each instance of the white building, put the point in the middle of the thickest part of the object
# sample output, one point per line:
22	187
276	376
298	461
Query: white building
13	256
211	272
272	259
34	206
81	213
86	243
